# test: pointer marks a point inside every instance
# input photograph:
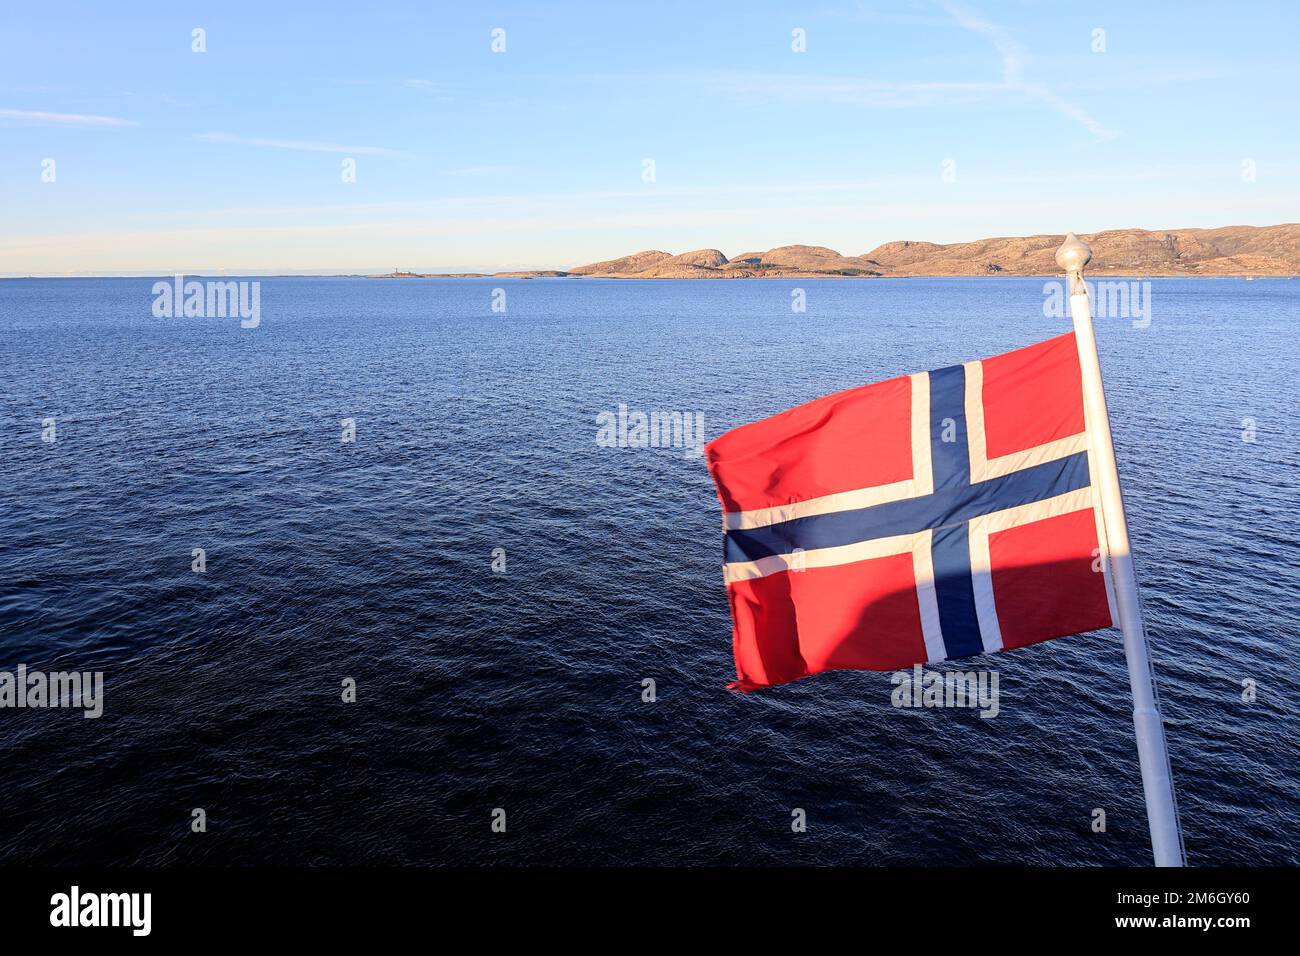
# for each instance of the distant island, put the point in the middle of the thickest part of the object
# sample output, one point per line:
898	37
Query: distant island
1227	251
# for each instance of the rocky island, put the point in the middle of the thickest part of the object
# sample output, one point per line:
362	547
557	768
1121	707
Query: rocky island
1226	251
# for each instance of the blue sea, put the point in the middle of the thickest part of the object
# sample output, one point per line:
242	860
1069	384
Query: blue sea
520	686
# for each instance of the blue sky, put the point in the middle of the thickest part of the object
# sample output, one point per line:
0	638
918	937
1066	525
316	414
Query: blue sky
167	160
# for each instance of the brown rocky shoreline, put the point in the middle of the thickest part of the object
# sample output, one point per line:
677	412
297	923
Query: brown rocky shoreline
1227	251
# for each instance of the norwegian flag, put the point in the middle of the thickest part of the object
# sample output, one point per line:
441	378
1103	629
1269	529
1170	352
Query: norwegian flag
927	517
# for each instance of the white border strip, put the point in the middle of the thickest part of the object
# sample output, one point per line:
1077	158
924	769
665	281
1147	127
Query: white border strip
981	577
797	561
981	566
981	467
927	598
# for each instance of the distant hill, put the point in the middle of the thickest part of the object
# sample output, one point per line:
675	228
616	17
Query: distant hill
1230	250
631	265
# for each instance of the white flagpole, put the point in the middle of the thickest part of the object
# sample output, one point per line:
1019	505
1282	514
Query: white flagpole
1153	757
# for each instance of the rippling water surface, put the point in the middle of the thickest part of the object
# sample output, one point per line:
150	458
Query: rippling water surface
522	690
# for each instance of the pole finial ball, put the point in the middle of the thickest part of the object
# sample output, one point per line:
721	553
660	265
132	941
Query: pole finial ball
1074	254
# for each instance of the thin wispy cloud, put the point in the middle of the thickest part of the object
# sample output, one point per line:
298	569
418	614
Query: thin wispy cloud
489	170
1014	59
302	145
846	90
1012	53
430	89
63	119
885	94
